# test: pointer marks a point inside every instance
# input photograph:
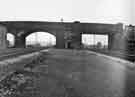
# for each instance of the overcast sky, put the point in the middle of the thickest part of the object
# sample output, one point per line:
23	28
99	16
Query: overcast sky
105	11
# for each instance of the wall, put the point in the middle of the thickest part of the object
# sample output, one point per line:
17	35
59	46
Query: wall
3	41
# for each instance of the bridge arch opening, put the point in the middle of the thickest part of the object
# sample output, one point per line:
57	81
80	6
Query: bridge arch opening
40	39
95	41
10	40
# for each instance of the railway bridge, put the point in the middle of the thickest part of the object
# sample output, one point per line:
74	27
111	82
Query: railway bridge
68	34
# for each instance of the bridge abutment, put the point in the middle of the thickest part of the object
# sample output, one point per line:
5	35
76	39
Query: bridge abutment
116	38
60	41
116	41
76	37
20	42
110	41
3	37
76	40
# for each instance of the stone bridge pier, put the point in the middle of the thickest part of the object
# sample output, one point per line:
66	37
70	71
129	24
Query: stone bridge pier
20	41
116	41
3	37
60	41
76	36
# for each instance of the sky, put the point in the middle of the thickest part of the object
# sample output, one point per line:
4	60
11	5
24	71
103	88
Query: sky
105	11
35	38
133	12
99	11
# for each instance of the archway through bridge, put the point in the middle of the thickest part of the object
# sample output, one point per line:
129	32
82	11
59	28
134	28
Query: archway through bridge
40	39
36	37
95	41
10	40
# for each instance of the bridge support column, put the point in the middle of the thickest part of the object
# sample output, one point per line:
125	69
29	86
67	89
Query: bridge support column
76	40
116	41
20	42
3	37
60	41
76	36
110	41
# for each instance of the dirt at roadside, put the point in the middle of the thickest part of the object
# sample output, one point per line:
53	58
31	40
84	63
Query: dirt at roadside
35	81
